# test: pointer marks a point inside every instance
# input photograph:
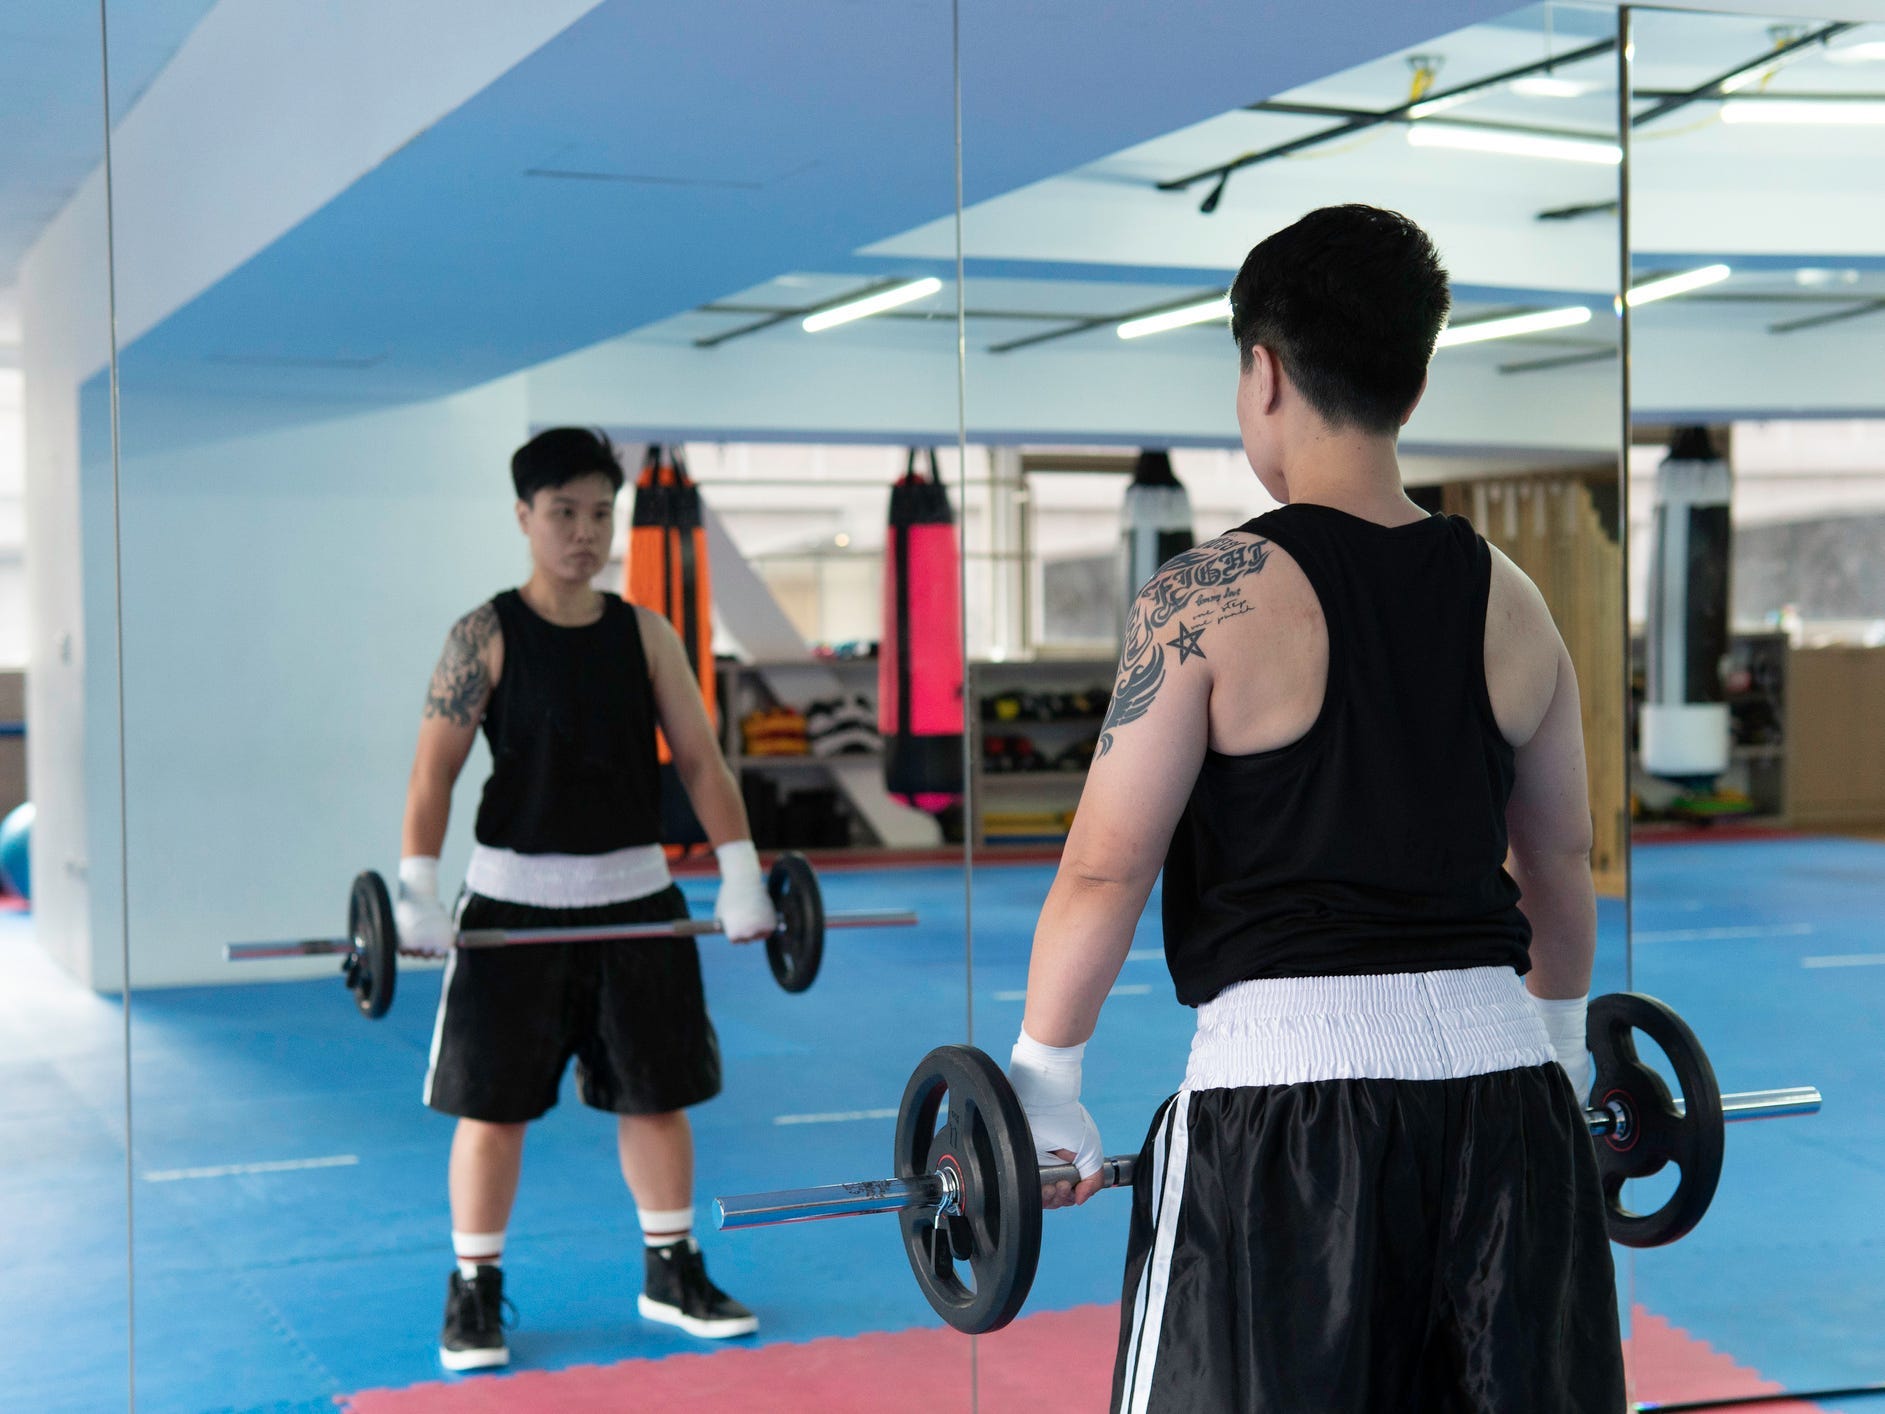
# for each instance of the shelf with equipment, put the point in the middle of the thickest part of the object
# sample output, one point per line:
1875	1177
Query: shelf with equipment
1033	727
793	797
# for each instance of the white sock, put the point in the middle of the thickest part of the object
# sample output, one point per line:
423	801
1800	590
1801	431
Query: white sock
661	1227
476	1249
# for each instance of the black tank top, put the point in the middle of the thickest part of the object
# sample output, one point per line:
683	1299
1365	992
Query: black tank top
571	726
1376	842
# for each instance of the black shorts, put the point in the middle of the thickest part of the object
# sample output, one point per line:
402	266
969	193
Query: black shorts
631	1013
1369	1247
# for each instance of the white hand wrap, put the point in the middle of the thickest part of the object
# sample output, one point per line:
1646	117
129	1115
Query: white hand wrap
1046	1080
421	919
1565	1024
743	907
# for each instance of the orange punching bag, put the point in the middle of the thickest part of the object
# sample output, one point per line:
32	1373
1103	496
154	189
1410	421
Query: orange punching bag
666	571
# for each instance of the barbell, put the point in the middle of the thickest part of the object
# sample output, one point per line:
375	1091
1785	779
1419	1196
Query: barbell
968	1192
371	950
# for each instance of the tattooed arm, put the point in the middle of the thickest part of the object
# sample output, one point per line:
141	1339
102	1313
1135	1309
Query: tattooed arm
1150	748
454	706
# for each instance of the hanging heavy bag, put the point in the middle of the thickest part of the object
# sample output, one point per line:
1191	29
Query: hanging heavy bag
666	571
919	667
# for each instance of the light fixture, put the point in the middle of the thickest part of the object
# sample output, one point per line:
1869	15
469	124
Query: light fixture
872	304
1871	51
1428	107
1828	112
841	540
1510	144
1652	290
1551	86
1205	313
1512	326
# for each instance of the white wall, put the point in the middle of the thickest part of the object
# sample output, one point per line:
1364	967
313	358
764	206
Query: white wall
280	627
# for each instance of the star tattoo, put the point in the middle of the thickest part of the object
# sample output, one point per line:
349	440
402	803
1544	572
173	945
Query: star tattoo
1187	644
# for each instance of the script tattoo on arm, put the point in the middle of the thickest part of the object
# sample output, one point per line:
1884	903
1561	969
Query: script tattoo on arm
461	683
1204	585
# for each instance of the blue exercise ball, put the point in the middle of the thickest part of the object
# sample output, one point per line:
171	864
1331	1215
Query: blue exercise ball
16	849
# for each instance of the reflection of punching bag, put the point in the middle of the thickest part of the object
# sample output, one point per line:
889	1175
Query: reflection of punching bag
919	665
1684	727
666	571
1156	521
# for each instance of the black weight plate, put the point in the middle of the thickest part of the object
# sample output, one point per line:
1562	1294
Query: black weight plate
1653	1132
797	946
986	1141
373	965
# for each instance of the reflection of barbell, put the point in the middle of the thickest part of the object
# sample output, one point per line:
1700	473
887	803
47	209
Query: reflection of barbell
970	1191
794	949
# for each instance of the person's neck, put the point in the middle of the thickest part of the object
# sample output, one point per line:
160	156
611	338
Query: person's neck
1359	473
569	603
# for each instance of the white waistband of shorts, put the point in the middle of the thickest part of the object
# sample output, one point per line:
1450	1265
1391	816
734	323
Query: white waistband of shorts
567	880
1409	1026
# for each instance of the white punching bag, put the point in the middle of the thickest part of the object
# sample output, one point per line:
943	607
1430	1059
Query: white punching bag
1684	724
1156	521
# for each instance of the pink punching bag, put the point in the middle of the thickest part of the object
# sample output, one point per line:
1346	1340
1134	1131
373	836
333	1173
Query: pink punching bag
919	665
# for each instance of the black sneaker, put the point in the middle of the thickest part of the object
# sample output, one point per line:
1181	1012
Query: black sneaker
678	1293
473	1338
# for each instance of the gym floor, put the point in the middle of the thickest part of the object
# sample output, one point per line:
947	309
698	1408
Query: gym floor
290	1209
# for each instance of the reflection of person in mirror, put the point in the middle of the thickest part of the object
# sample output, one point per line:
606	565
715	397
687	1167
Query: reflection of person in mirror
1375	1188
569	685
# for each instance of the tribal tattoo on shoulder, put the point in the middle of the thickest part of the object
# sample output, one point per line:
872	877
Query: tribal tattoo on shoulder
1204	586
461	683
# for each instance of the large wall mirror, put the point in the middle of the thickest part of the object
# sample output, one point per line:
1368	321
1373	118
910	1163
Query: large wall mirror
353	281
62	1036
1101	425
1757	509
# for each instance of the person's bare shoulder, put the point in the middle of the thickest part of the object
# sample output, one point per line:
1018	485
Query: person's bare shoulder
1522	650
467	669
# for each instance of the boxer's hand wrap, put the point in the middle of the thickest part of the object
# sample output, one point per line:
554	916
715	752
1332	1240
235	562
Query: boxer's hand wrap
1046	1080
421	919
1565	1024
743	907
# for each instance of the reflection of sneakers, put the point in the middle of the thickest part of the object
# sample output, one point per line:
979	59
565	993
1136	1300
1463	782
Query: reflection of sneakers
678	1293
473	1338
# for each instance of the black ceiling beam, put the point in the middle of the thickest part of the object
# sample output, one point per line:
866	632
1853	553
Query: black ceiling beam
1838	316
1365	119
1712	89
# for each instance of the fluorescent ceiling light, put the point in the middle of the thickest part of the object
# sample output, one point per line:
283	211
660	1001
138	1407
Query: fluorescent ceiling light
872	304
1508	144
1871	51
1681	284
1205	313
1426	108
1550	86
1512	326
1830	112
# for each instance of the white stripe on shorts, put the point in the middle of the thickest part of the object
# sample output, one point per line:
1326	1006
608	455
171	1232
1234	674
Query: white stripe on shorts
1148	1314
1408	1026
438	1021
567	880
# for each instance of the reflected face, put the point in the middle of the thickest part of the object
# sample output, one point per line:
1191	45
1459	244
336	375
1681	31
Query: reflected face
569	527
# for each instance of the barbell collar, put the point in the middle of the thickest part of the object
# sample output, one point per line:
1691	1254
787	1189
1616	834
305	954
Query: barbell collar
1735	1109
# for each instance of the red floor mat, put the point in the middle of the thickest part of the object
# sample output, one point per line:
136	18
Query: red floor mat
1057	1359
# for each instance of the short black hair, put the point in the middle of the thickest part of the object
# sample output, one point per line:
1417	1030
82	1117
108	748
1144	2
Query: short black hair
557	457
1350	300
